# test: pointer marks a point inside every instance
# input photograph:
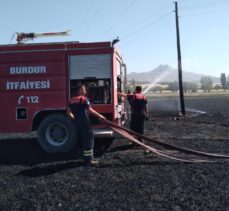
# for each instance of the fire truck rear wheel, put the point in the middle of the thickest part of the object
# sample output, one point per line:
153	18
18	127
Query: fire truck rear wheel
57	133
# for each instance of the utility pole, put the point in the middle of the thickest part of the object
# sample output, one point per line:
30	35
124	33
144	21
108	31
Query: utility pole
179	62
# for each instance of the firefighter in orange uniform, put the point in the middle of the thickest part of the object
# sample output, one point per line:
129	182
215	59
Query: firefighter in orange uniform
139	109
79	109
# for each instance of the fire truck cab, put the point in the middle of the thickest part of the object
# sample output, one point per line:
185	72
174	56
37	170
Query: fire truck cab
37	80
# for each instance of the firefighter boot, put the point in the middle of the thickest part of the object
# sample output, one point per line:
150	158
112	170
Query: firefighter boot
91	163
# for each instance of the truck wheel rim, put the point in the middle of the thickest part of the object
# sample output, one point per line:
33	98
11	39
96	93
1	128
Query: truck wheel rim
57	134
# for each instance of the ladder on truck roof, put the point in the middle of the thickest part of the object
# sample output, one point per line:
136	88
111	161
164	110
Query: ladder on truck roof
23	37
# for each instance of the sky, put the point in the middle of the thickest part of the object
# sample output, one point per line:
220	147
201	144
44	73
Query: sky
146	29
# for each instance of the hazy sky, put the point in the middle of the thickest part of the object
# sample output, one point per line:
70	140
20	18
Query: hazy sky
146	29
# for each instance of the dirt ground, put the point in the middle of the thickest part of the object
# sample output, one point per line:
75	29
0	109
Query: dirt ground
127	178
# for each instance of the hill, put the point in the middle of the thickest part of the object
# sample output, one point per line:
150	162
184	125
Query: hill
166	73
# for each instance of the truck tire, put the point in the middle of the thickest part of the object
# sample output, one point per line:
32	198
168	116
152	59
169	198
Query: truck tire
57	134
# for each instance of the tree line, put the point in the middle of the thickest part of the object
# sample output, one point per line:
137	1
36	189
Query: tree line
206	84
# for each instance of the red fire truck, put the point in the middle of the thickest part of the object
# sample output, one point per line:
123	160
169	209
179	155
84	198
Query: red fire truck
37	80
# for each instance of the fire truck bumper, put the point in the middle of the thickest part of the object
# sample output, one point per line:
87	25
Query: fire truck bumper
102	132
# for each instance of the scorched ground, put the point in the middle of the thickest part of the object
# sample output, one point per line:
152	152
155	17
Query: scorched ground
127	179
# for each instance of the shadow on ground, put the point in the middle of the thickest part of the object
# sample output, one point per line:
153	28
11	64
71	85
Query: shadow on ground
28	152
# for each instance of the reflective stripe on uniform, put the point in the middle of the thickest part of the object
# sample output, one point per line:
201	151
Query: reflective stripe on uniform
88	152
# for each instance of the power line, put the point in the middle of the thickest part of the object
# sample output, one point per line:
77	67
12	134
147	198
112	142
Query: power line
93	17
119	17
154	28
84	20
145	18
206	5
205	13
147	25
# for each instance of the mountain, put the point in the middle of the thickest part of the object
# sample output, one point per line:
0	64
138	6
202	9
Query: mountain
165	73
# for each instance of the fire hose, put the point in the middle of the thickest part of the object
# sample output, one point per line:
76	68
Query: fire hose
135	137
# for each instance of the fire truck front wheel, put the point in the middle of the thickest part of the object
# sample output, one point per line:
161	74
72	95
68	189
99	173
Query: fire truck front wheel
57	133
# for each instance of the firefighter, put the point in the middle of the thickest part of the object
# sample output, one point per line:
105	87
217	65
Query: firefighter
139	109
79	109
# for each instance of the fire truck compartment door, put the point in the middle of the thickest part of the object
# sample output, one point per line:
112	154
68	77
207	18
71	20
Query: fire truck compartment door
83	66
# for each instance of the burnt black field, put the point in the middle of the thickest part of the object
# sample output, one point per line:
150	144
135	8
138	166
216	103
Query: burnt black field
127	178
